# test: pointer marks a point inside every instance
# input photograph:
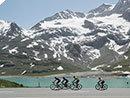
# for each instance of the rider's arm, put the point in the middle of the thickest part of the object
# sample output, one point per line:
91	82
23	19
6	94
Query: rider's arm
54	81
62	81
73	81
99	81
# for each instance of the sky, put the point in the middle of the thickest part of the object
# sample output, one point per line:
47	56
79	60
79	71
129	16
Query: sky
26	13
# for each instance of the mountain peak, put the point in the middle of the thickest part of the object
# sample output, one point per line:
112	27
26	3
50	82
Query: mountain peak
61	15
66	14
106	4
67	11
105	7
15	27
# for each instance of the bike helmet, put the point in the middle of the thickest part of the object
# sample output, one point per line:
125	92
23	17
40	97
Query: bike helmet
99	78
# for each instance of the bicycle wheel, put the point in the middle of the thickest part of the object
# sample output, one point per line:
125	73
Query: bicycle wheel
79	86
105	86
68	85
97	86
72	86
52	87
61	86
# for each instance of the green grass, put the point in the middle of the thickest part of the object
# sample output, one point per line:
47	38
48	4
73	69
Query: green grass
8	84
125	66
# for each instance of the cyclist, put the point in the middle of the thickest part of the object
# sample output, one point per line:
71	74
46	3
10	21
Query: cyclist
101	82
58	81
76	81
66	81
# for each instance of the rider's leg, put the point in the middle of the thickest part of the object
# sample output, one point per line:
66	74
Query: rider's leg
102	83
77	82
57	84
66	83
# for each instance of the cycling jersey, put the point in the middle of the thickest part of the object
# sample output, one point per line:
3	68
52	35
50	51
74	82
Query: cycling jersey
65	79
57	79
76	79
101	81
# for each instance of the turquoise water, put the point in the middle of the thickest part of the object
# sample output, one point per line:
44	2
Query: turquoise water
86	82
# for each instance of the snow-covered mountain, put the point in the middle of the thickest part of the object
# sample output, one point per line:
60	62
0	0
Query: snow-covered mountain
121	7
85	40
102	10
67	14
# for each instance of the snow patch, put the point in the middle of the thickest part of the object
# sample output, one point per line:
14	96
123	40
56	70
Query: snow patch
91	52
69	58
79	59
112	45
13	51
45	56
23	72
32	65
60	68
126	72
35	43
72	23
109	66
119	66
96	68
28	33
37	59
4	26
5	47
36	53
59	59
101	34
24	53
55	55
1	66
114	20
24	39
32	44
126	57
42	46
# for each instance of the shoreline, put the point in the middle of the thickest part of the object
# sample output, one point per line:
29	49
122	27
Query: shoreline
95	74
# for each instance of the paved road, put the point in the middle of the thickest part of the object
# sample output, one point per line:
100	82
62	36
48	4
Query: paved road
47	93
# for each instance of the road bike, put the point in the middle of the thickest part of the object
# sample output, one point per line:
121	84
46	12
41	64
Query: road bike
67	86
53	86
74	87
104	87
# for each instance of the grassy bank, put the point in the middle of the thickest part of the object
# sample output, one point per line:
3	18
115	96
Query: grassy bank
8	84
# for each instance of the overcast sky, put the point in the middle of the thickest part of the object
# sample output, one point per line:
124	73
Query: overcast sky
27	13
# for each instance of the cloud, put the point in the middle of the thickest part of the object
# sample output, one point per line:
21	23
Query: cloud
2	1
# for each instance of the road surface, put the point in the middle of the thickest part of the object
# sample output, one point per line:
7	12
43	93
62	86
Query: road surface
47	93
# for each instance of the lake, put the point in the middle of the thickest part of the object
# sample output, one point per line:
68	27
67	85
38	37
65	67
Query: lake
86	82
